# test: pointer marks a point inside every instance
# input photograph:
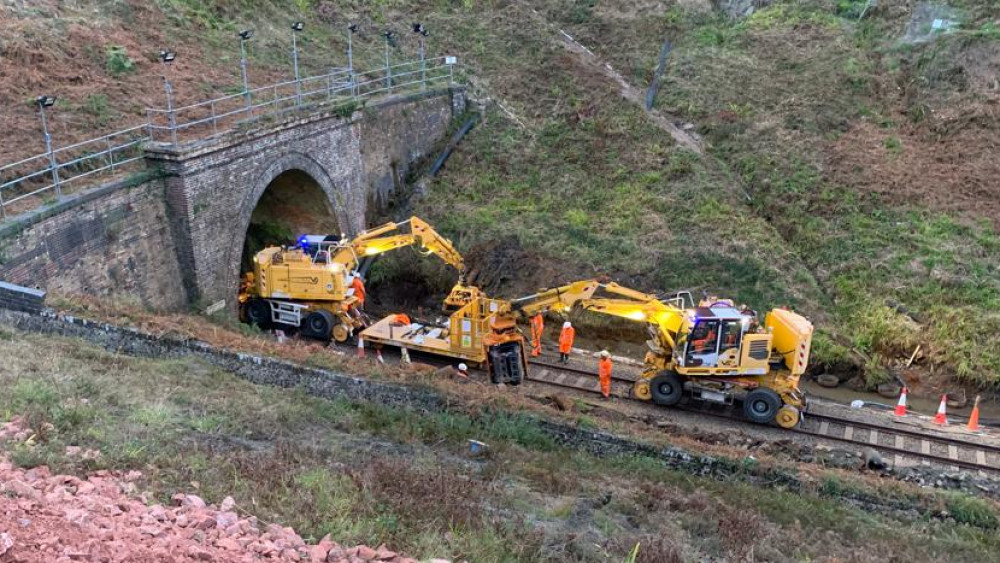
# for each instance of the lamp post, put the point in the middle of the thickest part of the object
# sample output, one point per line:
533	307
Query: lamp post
389	38
245	35
351	30
167	58
296	28
47	102
422	34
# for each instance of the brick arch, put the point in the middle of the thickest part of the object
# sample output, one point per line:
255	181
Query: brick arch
288	162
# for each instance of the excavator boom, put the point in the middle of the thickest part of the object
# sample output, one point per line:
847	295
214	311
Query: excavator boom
378	241
559	299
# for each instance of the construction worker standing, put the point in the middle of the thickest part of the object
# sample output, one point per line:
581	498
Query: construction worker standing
537	327
359	290
566	341
604	374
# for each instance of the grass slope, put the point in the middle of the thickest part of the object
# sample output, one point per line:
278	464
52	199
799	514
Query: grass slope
366	473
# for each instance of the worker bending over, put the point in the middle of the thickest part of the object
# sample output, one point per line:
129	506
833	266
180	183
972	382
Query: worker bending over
604	374
566	341
537	327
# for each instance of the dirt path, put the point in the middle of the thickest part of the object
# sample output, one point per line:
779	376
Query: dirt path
629	92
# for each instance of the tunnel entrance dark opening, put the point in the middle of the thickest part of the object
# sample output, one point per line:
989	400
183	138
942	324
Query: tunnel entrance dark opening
293	204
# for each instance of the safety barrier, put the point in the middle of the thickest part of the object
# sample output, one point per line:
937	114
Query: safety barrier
33	181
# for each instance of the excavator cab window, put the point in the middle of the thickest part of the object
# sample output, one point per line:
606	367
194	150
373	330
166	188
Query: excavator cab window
703	344
732	333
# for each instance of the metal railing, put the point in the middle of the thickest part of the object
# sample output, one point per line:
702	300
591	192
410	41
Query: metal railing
42	173
337	87
44	176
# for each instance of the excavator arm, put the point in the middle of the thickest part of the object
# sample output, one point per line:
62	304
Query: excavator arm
559	299
640	307
379	240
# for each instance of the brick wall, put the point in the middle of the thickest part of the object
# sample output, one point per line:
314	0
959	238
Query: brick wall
400	134
113	241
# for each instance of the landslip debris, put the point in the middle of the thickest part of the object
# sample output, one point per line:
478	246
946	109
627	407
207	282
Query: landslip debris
105	518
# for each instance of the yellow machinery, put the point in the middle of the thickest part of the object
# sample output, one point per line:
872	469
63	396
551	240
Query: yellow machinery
312	285
718	353
483	331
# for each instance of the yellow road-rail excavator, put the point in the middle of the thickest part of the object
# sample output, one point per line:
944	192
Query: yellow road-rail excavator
315	285
716	352
482	331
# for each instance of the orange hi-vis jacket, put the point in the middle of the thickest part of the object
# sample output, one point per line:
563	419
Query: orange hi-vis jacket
537	327
604	373
566	340
359	289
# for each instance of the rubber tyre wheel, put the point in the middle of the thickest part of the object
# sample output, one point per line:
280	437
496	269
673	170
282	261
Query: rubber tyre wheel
761	405
666	389
257	312
319	324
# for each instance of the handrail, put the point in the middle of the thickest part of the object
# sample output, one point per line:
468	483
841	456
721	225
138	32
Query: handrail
109	153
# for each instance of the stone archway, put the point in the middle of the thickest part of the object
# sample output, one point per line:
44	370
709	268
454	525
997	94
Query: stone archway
288	166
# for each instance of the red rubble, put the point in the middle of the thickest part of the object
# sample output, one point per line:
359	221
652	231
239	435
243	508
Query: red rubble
64	519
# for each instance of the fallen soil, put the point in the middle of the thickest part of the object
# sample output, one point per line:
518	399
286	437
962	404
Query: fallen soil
106	518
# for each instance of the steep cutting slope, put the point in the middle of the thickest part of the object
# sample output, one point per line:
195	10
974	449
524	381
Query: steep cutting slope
844	169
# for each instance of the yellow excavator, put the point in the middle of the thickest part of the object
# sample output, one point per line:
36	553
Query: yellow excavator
717	352
482	331
315	285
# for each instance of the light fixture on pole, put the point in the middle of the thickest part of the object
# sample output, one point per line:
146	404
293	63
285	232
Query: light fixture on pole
422	35
351	30
166	58
296	28
390	40
245	36
47	102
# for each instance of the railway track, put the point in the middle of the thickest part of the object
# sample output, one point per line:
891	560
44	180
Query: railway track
955	452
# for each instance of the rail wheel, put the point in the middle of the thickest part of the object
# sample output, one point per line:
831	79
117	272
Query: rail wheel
787	417
341	332
641	390
666	389
761	405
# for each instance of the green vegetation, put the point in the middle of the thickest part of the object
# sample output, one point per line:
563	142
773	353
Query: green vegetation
118	61
368	473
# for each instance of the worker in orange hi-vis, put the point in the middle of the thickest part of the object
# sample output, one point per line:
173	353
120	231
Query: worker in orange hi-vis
537	327
359	290
566	341
604	374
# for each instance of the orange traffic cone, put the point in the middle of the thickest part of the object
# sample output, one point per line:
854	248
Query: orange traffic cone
941	417
361	347
901	405
378	357
974	417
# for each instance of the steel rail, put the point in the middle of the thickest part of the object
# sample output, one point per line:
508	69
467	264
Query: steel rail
939	459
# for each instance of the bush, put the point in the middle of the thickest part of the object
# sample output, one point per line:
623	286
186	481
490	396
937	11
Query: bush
118	62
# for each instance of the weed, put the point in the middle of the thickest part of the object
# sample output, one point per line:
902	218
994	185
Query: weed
117	61
972	511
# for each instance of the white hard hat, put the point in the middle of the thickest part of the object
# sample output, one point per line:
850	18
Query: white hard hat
605	354
567	324
463	367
